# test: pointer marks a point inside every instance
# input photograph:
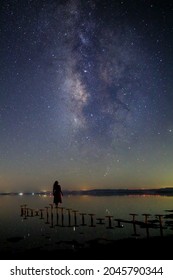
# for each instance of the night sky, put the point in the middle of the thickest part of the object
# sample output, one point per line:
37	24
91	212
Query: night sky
86	94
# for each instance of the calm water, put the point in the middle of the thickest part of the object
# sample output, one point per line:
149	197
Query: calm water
63	228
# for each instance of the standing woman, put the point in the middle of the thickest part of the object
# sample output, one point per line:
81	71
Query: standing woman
57	193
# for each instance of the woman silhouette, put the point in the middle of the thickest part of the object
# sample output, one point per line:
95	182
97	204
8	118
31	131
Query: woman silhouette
57	193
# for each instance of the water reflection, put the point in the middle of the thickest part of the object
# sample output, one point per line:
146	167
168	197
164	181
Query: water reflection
67	217
34	222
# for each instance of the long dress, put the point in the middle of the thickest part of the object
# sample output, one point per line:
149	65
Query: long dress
57	194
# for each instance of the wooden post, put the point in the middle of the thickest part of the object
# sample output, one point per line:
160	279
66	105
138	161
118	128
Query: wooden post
75	218
57	217
134	223
41	213
62	215
83	219
159	216
109	221
69	216
47	215
25	211
21	210
32	212
146	223
51	217
92	221
36	212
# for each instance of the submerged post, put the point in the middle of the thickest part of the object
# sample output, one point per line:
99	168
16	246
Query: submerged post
57	217
69	216
62	215
47	215
134	224
83	219
75	217
109	221
41	213
146	223
159	216
92	221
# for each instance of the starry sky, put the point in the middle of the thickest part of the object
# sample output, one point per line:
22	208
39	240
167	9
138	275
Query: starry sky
86	94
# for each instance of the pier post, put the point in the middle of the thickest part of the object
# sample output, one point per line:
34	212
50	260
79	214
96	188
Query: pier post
69	216
134	224
21	210
83	219
62	215
146	223
75	217
159	216
25	211
47	215
109	221
41	213
92	221
36	212
32	212
57	217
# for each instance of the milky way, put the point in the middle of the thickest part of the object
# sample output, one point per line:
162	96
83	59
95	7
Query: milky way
86	93
104	85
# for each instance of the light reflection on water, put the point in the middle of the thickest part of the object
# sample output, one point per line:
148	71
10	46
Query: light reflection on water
63	228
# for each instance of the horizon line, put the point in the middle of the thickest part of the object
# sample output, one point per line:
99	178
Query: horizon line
96	191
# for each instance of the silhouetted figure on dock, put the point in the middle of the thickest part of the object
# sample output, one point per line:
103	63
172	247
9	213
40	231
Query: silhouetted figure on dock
57	193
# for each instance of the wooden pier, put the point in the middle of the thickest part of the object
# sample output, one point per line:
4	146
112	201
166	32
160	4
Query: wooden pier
67	217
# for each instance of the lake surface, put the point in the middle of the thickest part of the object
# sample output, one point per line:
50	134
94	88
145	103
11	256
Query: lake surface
80	220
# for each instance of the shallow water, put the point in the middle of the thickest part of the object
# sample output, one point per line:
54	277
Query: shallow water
23	228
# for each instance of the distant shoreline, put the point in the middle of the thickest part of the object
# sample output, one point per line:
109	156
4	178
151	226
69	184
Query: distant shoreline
102	192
